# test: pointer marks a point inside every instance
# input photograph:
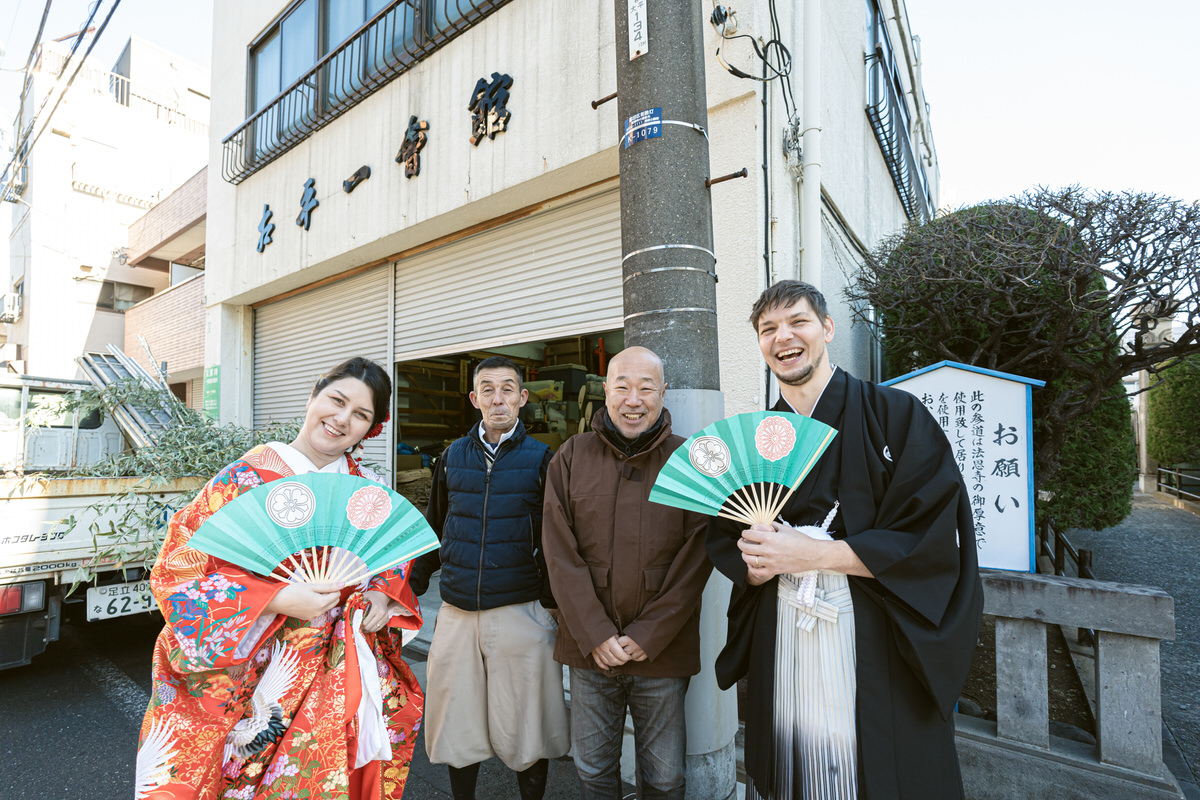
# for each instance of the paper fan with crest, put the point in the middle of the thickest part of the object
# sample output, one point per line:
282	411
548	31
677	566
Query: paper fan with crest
744	467
317	528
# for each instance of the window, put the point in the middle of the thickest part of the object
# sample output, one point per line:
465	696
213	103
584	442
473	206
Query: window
49	406
390	39
445	16
313	28
42	409
116	296
10	405
323	56
288	52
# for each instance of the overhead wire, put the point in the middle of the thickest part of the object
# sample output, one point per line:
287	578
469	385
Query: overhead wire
29	149
29	77
785	79
773	54
12	25
25	84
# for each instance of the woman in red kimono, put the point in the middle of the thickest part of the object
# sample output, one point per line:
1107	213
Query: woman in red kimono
263	689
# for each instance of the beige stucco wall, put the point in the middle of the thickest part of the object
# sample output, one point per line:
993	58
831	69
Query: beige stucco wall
560	58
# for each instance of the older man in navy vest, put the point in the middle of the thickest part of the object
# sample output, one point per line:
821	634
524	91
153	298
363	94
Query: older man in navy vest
494	688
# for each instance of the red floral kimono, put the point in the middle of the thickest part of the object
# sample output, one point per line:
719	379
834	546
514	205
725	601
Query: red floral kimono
246	706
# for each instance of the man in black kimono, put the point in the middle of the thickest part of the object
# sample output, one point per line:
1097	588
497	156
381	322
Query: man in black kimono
852	687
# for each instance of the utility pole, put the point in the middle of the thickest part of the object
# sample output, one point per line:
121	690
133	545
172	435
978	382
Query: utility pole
669	274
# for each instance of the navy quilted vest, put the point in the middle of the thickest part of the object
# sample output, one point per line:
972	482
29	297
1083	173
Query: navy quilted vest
493	523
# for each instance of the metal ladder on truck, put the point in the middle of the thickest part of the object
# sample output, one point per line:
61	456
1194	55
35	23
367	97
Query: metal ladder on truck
142	422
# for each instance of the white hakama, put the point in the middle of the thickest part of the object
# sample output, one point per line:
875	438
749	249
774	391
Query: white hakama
815	729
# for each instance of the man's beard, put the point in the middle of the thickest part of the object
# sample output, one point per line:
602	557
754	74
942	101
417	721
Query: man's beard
797	380
804	376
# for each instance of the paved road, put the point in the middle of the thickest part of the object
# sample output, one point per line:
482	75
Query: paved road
69	722
431	782
1159	545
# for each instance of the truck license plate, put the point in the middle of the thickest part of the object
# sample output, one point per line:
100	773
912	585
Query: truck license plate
118	599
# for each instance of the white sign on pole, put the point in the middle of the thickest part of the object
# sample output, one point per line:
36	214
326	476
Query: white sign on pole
639	38
988	418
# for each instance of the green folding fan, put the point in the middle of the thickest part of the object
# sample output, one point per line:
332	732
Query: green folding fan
743	468
317	528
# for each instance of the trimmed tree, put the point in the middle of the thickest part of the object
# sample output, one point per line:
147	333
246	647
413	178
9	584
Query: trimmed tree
1054	285
1173	430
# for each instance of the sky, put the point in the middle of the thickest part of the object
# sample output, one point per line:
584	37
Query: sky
183	27
1101	93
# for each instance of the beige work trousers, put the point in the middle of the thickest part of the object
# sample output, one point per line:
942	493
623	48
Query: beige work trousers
494	688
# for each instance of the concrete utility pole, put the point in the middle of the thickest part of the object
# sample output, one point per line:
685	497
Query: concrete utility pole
670	292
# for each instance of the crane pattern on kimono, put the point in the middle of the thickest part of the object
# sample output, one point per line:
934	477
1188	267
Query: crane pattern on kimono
265	724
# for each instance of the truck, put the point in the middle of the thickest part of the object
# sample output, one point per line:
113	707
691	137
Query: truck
66	541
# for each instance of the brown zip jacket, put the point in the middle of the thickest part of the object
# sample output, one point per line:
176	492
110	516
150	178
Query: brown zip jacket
618	563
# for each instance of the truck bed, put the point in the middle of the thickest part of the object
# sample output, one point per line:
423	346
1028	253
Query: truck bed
34	544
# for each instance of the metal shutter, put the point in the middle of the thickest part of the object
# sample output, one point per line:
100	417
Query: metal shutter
554	274
297	339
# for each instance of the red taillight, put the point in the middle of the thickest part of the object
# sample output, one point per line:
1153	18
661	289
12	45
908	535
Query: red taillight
10	599
22	597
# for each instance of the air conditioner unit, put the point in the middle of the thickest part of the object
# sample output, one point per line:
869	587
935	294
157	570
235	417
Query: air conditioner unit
17	175
11	311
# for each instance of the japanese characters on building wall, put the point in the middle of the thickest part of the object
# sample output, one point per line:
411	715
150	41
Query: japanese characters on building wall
488	106
986	416
308	202
410	148
265	229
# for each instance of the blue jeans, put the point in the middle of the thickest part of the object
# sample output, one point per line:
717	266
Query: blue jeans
598	703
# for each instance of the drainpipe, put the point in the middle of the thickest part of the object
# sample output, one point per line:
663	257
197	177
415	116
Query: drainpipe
810	176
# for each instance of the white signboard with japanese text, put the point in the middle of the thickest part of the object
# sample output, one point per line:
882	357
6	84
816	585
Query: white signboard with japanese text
988	418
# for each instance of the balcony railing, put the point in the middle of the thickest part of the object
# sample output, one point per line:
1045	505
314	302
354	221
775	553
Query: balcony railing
888	112
389	44
12	182
123	92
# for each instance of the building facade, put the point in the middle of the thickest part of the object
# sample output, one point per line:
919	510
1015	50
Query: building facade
490	219
425	182
171	237
118	143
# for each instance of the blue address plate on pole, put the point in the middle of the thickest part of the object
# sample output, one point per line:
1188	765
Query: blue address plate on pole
643	125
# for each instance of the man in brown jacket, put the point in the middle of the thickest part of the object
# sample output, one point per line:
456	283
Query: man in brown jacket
627	574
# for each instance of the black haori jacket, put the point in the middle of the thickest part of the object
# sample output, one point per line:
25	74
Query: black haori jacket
904	511
489	523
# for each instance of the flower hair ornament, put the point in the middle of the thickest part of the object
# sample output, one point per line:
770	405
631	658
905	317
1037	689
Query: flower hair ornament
376	429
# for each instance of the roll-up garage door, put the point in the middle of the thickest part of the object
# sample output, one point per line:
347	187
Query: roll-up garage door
299	338
553	274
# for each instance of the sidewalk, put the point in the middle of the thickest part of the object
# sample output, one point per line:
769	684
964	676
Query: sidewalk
1159	545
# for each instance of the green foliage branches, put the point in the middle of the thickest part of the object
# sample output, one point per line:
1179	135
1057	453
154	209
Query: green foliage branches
1173	430
1052	284
127	528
